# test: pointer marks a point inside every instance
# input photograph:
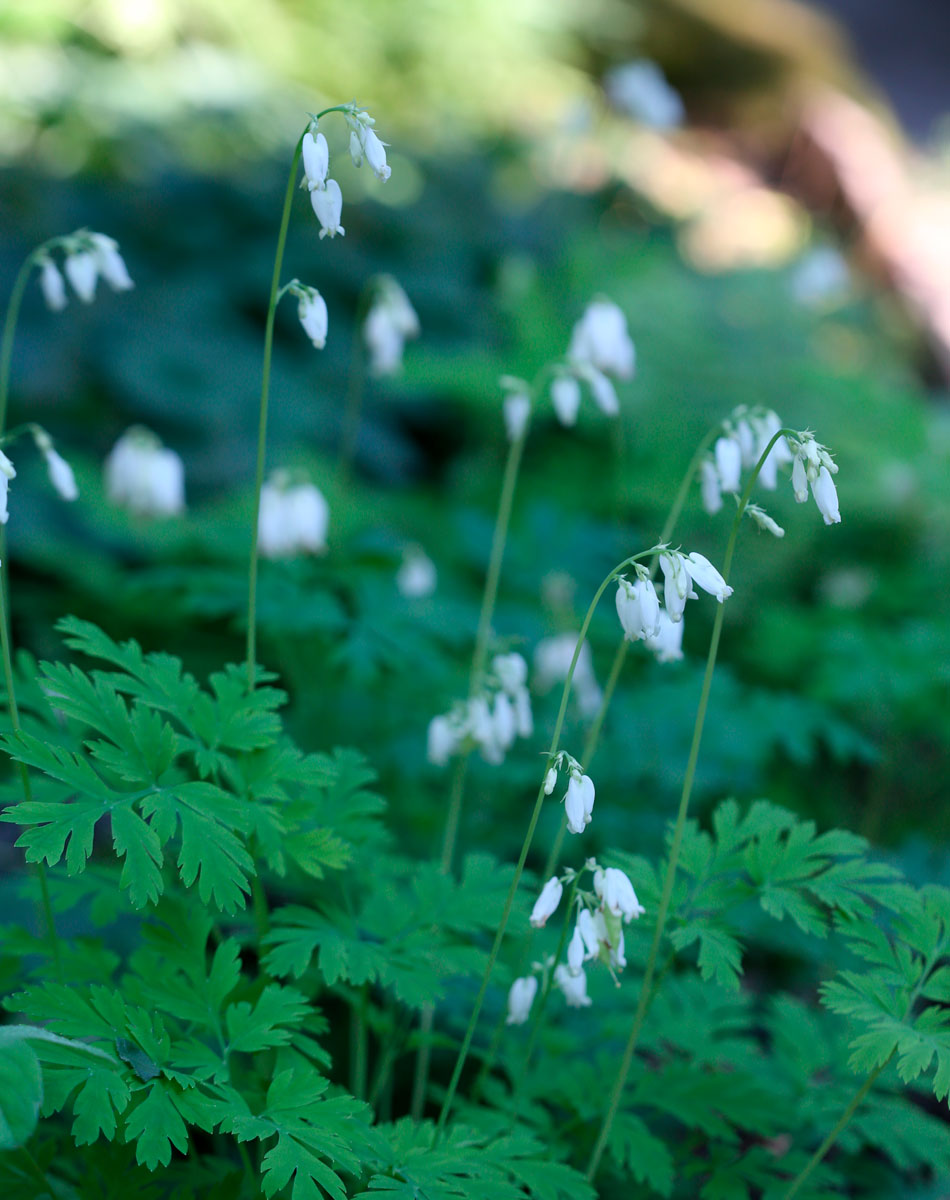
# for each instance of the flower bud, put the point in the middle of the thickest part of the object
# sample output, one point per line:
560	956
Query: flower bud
52	286
566	398
520	998
826	496
417	577
82	273
546	904
312	312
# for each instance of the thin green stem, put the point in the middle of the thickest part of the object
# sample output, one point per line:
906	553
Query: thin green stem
842	1121
9	331
525	847
262	420
646	992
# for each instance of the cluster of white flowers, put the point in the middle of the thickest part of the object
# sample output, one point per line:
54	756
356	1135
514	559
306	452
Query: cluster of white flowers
390	321
88	256
812	464
144	476
643	618
490	720
598	936
293	519
551	663
417	576
746	433
312	312
325	195
600	347
579	797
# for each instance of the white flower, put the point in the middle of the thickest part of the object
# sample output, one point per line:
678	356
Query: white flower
600	338
640	89
616	893
579	802
375	153
575	952
389	322
799	480
638	608
512	671
109	263
356	149
144	476
550	781
667	645
61	475
441	741
312	311
316	160
52	286
523	715
677	588
546	904
520	998
480	725
826	496
503	720
705	574
292	519
417	577
764	521
327	203
616	958
566	398
573	987
709	486
517	410
82	273
592	929
605	397
552	661
728	463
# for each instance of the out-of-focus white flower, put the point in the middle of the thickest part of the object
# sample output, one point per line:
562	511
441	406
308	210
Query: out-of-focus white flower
820	279
566	398
603	391
705	574
592	931
575	952
60	472
520	998
7	472
764	521
417	576
327	204
441	741
579	802
638	608
390	321
52	286
547	902
109	262
616	892
517	405
512	671
312	312
294	518
316	159
728	463
551	663
667	645
144	476
573	987
640	90
600	339
82	273
503	721
709	486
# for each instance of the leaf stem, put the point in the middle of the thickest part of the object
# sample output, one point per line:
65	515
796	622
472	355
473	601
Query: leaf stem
646	992
262	419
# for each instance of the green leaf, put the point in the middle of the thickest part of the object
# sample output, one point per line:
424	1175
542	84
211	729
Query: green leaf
21	1094
155	1125
642	1153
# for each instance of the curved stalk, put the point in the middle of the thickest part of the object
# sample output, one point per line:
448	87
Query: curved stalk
646	993
9	330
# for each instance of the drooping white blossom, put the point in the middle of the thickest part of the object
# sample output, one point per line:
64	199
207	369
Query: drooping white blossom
638	608
551	663
109	262
294	518
442	740
600	339
710	488
703	573
316	159
667	645
60	472
576	951
615	891
52	286
312	313
579	801
573	987
728	456
144	476
517	406
677	586
566	398
764	521
365	143
391	320
546	904
520	998
417	576
327	204
826	496
82	273
812	464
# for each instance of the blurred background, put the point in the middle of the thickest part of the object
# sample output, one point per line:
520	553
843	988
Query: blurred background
770	209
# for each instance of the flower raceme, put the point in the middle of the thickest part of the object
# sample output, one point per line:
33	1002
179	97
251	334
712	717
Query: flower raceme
680	571
88	256
812	464
490	720
326	197
144	476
